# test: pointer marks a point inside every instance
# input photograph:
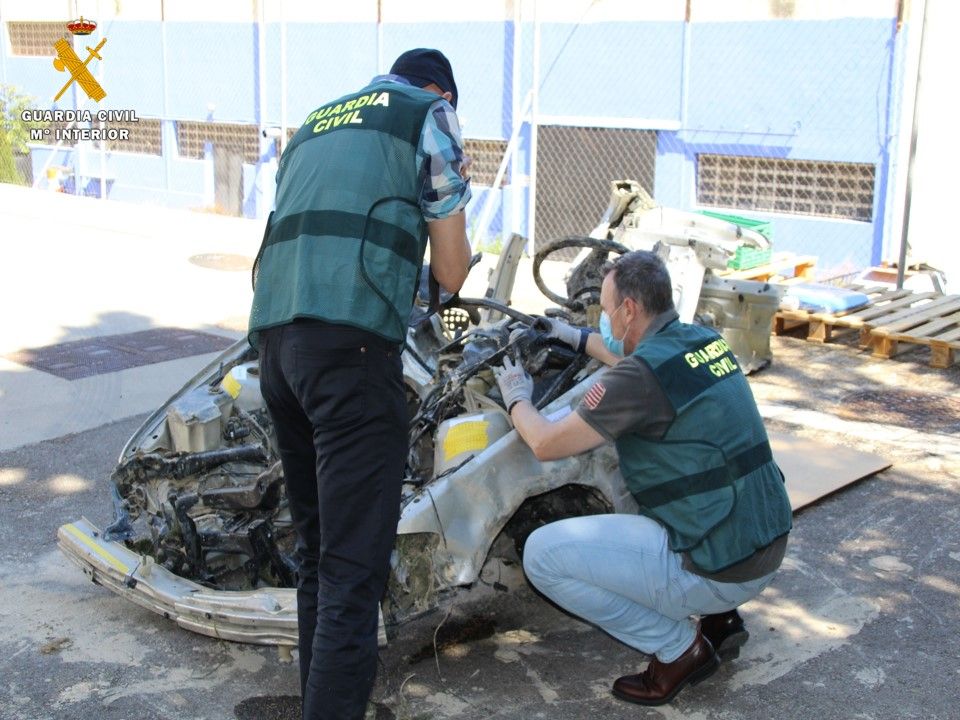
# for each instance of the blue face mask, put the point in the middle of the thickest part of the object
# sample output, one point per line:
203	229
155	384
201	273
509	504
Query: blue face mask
606	332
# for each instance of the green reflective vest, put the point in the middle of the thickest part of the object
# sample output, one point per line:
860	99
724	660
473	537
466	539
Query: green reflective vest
711	481
346	241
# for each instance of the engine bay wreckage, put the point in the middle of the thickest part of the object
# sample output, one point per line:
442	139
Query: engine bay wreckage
202	533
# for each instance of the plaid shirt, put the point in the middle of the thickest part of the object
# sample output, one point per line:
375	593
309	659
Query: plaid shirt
440	152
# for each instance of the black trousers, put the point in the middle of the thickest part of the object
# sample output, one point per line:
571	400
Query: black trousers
335	395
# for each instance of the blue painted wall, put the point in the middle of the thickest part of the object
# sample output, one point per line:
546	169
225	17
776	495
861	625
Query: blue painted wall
324	61
132	70
212	63
477	53
618	70
812	90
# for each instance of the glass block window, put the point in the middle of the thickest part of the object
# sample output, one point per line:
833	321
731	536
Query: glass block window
291	131
143	137
35	38
487	155
191	137
801	187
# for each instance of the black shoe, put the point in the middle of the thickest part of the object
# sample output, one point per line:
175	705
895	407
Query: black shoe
725	632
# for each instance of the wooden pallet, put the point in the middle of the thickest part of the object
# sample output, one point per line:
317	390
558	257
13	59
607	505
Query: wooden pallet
821	326
935	324
890	317
784	267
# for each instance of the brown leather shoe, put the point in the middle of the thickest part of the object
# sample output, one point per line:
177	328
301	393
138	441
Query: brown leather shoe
661	682
725	632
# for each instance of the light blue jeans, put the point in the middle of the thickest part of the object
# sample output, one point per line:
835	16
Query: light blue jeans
617	572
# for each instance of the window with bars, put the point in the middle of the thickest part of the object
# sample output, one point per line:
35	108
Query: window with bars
191	137
487	155
801	187
35	38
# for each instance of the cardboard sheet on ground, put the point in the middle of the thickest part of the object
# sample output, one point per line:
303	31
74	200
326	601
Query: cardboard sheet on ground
814	469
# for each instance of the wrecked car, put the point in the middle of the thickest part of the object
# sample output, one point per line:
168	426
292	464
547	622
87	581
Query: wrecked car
202	533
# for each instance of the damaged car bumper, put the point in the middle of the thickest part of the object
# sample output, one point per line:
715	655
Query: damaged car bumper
262	617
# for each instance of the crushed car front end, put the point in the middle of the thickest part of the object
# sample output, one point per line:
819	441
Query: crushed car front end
202	533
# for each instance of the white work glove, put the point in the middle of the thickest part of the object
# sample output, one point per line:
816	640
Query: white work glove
515	384
575	338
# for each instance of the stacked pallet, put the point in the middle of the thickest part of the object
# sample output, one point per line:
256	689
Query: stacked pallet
890	318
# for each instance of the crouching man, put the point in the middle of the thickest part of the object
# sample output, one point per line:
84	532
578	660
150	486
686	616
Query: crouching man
714	513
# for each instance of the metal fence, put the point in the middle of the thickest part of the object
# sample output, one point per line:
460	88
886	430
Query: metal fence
574	170
777	118
750	107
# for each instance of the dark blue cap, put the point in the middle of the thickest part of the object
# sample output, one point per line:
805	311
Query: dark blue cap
423	66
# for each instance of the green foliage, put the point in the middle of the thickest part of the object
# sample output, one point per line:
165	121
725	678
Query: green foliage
8	166
494	245
14	131
12	105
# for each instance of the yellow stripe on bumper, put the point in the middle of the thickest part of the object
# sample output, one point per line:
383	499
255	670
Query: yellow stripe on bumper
114	562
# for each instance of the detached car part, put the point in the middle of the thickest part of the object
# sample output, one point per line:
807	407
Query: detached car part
695	248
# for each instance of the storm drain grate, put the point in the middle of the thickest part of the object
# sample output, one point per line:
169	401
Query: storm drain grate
110	353
937	413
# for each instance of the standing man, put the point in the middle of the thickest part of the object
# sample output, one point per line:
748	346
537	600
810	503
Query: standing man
361	186
714	513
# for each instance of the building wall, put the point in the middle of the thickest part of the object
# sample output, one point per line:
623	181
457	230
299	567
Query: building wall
931	237
806	90
798	79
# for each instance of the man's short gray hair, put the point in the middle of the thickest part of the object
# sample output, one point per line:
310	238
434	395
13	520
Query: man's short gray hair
641	275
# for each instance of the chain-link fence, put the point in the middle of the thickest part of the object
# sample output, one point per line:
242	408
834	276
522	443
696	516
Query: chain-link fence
777	110
575	168
774	112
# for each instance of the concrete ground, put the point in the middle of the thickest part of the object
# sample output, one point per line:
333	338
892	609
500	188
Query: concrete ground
860	623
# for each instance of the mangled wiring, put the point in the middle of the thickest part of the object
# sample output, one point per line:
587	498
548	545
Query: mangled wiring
258	429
